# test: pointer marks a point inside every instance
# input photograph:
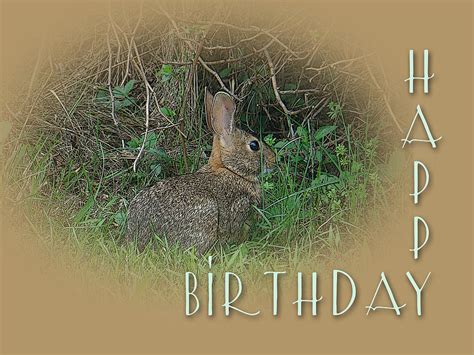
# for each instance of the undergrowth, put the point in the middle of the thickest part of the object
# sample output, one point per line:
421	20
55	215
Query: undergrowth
71	169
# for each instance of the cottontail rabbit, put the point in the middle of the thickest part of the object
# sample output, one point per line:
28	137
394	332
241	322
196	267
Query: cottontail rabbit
210	206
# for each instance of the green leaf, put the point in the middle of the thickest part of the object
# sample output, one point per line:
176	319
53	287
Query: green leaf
121	96
267	186
303	133
167	69
120	218
323	132
356	167
129	86
150	143
319	156
119	92
290	86
324	179
332	158
224	73
335	110
134	143
269	139
243	76
102	95
85	210
151	140
280	144
161	154
168	112
120	104
156	170
165	73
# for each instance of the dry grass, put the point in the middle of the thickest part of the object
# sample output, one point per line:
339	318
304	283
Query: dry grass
121	106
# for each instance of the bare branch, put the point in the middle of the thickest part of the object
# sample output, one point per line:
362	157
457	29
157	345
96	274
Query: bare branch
275	86
385	98
201	61
109	85
343	61
147	109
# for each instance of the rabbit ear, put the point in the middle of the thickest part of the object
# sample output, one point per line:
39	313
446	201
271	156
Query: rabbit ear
208	102
223	110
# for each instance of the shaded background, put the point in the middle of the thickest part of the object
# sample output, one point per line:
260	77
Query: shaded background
44	310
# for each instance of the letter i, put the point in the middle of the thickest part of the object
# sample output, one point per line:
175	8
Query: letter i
210	280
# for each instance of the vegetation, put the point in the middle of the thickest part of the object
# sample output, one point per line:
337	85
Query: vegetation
122	108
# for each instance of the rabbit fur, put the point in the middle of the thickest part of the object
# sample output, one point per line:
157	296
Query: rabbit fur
211	205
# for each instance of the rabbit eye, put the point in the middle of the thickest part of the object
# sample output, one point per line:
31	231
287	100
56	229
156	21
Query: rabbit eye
254	145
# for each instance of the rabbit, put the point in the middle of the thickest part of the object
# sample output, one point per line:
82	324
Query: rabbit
211	205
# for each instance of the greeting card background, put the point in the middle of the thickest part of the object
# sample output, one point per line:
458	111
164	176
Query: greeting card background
48	310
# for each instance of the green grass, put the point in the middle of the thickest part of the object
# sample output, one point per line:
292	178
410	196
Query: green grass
67	171
317	205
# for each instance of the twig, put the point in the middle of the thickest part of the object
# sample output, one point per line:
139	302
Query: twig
219	47
147	110
298	91
214	23
239	59
158	106
332	65
275	85
385	98
218	78
129	51
238	43
280	43
61	103
35	72
149	92
81	79
201	61
119	46
321	41
185	95
109	85
35	100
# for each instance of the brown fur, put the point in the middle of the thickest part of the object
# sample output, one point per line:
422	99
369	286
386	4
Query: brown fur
210	206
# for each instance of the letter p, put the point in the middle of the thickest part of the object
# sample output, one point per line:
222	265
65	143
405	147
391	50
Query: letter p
416	244
416	188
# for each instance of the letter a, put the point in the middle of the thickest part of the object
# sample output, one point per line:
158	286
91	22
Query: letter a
395	306
419	113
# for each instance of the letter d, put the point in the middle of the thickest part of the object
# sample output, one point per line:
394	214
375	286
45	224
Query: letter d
335	281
